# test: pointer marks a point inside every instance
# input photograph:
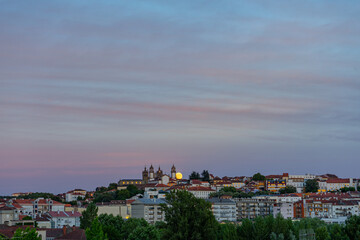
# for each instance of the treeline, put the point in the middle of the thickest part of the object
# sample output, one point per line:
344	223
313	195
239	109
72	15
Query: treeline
236	193
190	218
41	195
109	194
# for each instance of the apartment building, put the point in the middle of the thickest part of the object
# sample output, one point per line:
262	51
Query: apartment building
251	208
149	209
223	209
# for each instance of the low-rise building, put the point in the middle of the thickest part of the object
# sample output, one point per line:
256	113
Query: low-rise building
60	219
75	194
148	209
8	214
223	209
285	209
251	208
123	183
201	192
274	185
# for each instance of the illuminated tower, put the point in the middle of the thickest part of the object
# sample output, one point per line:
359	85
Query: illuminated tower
151	172
145	175
173	172
159	173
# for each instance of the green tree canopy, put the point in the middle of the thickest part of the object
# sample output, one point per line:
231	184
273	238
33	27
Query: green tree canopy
288	189
112	226
311	185
194	175
188	217
88	216
258	177
352	227
95	231
27	234
205	175
148	232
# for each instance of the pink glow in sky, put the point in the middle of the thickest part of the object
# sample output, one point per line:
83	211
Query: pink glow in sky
91	92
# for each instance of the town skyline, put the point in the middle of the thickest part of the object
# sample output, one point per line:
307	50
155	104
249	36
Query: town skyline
90	91
165	171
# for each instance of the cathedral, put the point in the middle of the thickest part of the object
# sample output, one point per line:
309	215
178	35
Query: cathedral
151	175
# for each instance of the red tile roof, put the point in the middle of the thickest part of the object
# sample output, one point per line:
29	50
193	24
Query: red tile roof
338	180
64	214
200	188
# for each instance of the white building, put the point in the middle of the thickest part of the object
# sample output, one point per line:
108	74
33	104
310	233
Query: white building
148	209
237	185
32	207
223	209
75	194
337	183
298	183
201	192
285	209
59	219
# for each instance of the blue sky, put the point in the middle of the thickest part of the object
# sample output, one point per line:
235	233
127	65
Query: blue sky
92	91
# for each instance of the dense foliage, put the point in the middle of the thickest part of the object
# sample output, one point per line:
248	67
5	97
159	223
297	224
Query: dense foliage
191	223
26	234
311	185
205	175
107	195
88	216
236	193
188	217
258	177
41	195
288	189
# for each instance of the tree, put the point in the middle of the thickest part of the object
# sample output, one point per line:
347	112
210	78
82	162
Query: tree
41	195
194	175
112	186
95	231
288	189
246	230
352	227
322	233
148	232
227	231
88	216
130	225
228	189
258	177
188	217
111	225
205	175
337	232
27	234
311	185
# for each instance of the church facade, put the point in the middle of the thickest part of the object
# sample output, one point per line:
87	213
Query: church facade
152	175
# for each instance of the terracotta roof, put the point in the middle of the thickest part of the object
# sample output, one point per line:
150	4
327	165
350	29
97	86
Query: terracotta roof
64	214
200	188
5	208
338	180
161	185
78	234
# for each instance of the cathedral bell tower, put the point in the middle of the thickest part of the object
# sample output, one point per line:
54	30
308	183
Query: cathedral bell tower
151	173
173	172
145	175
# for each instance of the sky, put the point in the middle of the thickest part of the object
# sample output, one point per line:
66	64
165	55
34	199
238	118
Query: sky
93	91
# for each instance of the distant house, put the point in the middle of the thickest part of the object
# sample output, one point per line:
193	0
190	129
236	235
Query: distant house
223	209
75	195
60	219
8	214
201	192
149	209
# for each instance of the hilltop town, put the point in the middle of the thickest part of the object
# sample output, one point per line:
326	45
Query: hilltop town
325	197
